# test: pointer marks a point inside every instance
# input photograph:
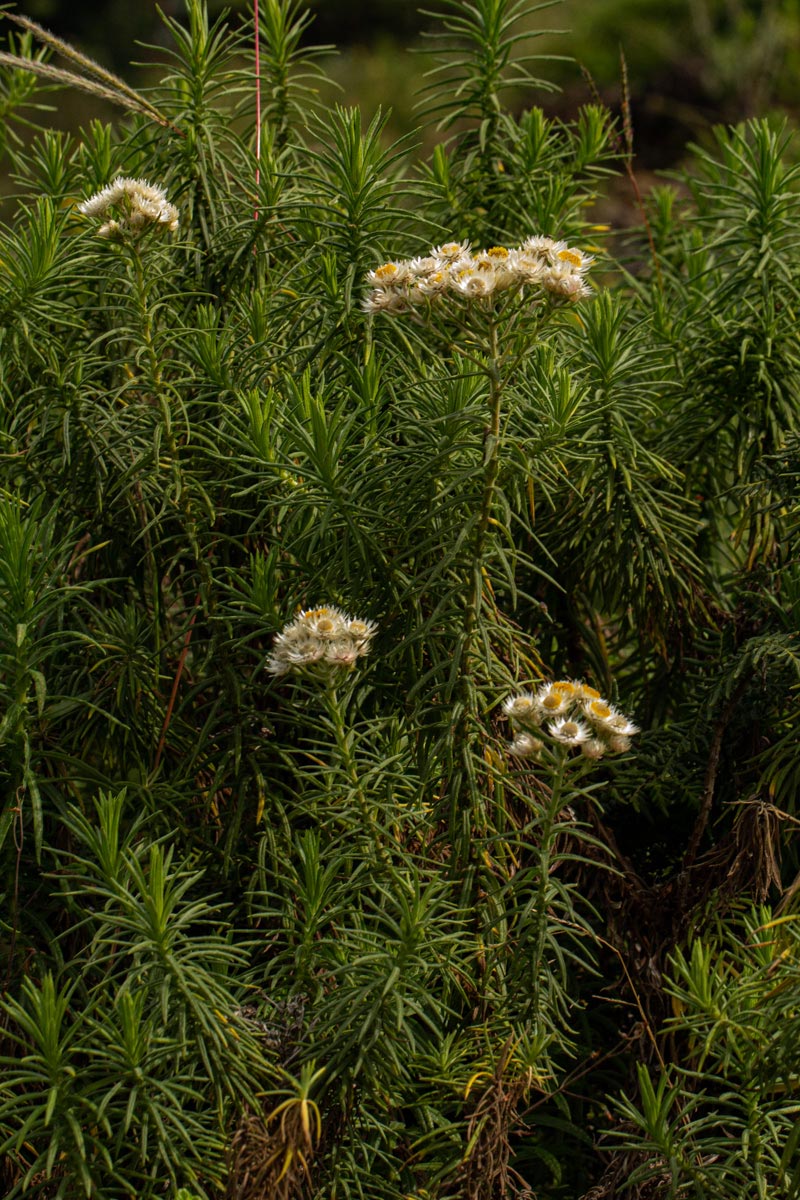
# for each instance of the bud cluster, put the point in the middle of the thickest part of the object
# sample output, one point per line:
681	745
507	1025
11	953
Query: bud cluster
569	712
454	270
321	640
137	204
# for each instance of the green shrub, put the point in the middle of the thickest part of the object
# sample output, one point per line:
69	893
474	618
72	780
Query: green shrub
296	532
723	1120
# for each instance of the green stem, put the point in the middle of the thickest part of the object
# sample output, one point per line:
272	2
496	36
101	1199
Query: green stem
343	738
545	847
140	291
182	493
491	468
461	828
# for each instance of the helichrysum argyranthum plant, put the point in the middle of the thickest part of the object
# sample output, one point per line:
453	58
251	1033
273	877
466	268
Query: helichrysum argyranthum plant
398	642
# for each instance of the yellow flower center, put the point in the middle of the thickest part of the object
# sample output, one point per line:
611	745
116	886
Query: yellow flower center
598	709
571	256
564	686
387	271
551	701
569	729
497	252
589	692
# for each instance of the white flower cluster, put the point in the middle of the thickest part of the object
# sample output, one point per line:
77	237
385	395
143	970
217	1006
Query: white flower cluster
455	270
320	638
572	713
137	204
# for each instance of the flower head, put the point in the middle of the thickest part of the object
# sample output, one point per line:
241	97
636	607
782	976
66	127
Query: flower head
572	713
566	281
552	702
360	632
567	256
322	638
569	732
540	266
475	282
620	726
433	284
598	711
528	268
385	300
450	252
539	245
424	265
521	708
593	748
391	274
136	203
525	745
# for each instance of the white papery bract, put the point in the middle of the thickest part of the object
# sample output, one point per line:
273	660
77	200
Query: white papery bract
620	726
568	732
552	702
565	281
525	745
137	204
320	640
520	708
453	271
594	748
572	713
451	252
540	245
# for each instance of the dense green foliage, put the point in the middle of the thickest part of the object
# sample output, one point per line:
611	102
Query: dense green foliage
320	933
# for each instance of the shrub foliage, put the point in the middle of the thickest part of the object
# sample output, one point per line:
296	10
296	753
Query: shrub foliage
284	926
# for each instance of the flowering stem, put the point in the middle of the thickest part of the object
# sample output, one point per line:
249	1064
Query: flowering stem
335	709
491	467
257	35
551	811
140	291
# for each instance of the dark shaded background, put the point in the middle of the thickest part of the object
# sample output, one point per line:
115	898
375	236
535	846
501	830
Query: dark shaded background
691	63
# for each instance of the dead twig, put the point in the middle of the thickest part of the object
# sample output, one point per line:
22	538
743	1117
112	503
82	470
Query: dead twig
709	783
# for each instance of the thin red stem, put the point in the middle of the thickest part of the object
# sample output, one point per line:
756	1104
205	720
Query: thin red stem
258	102
176	683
